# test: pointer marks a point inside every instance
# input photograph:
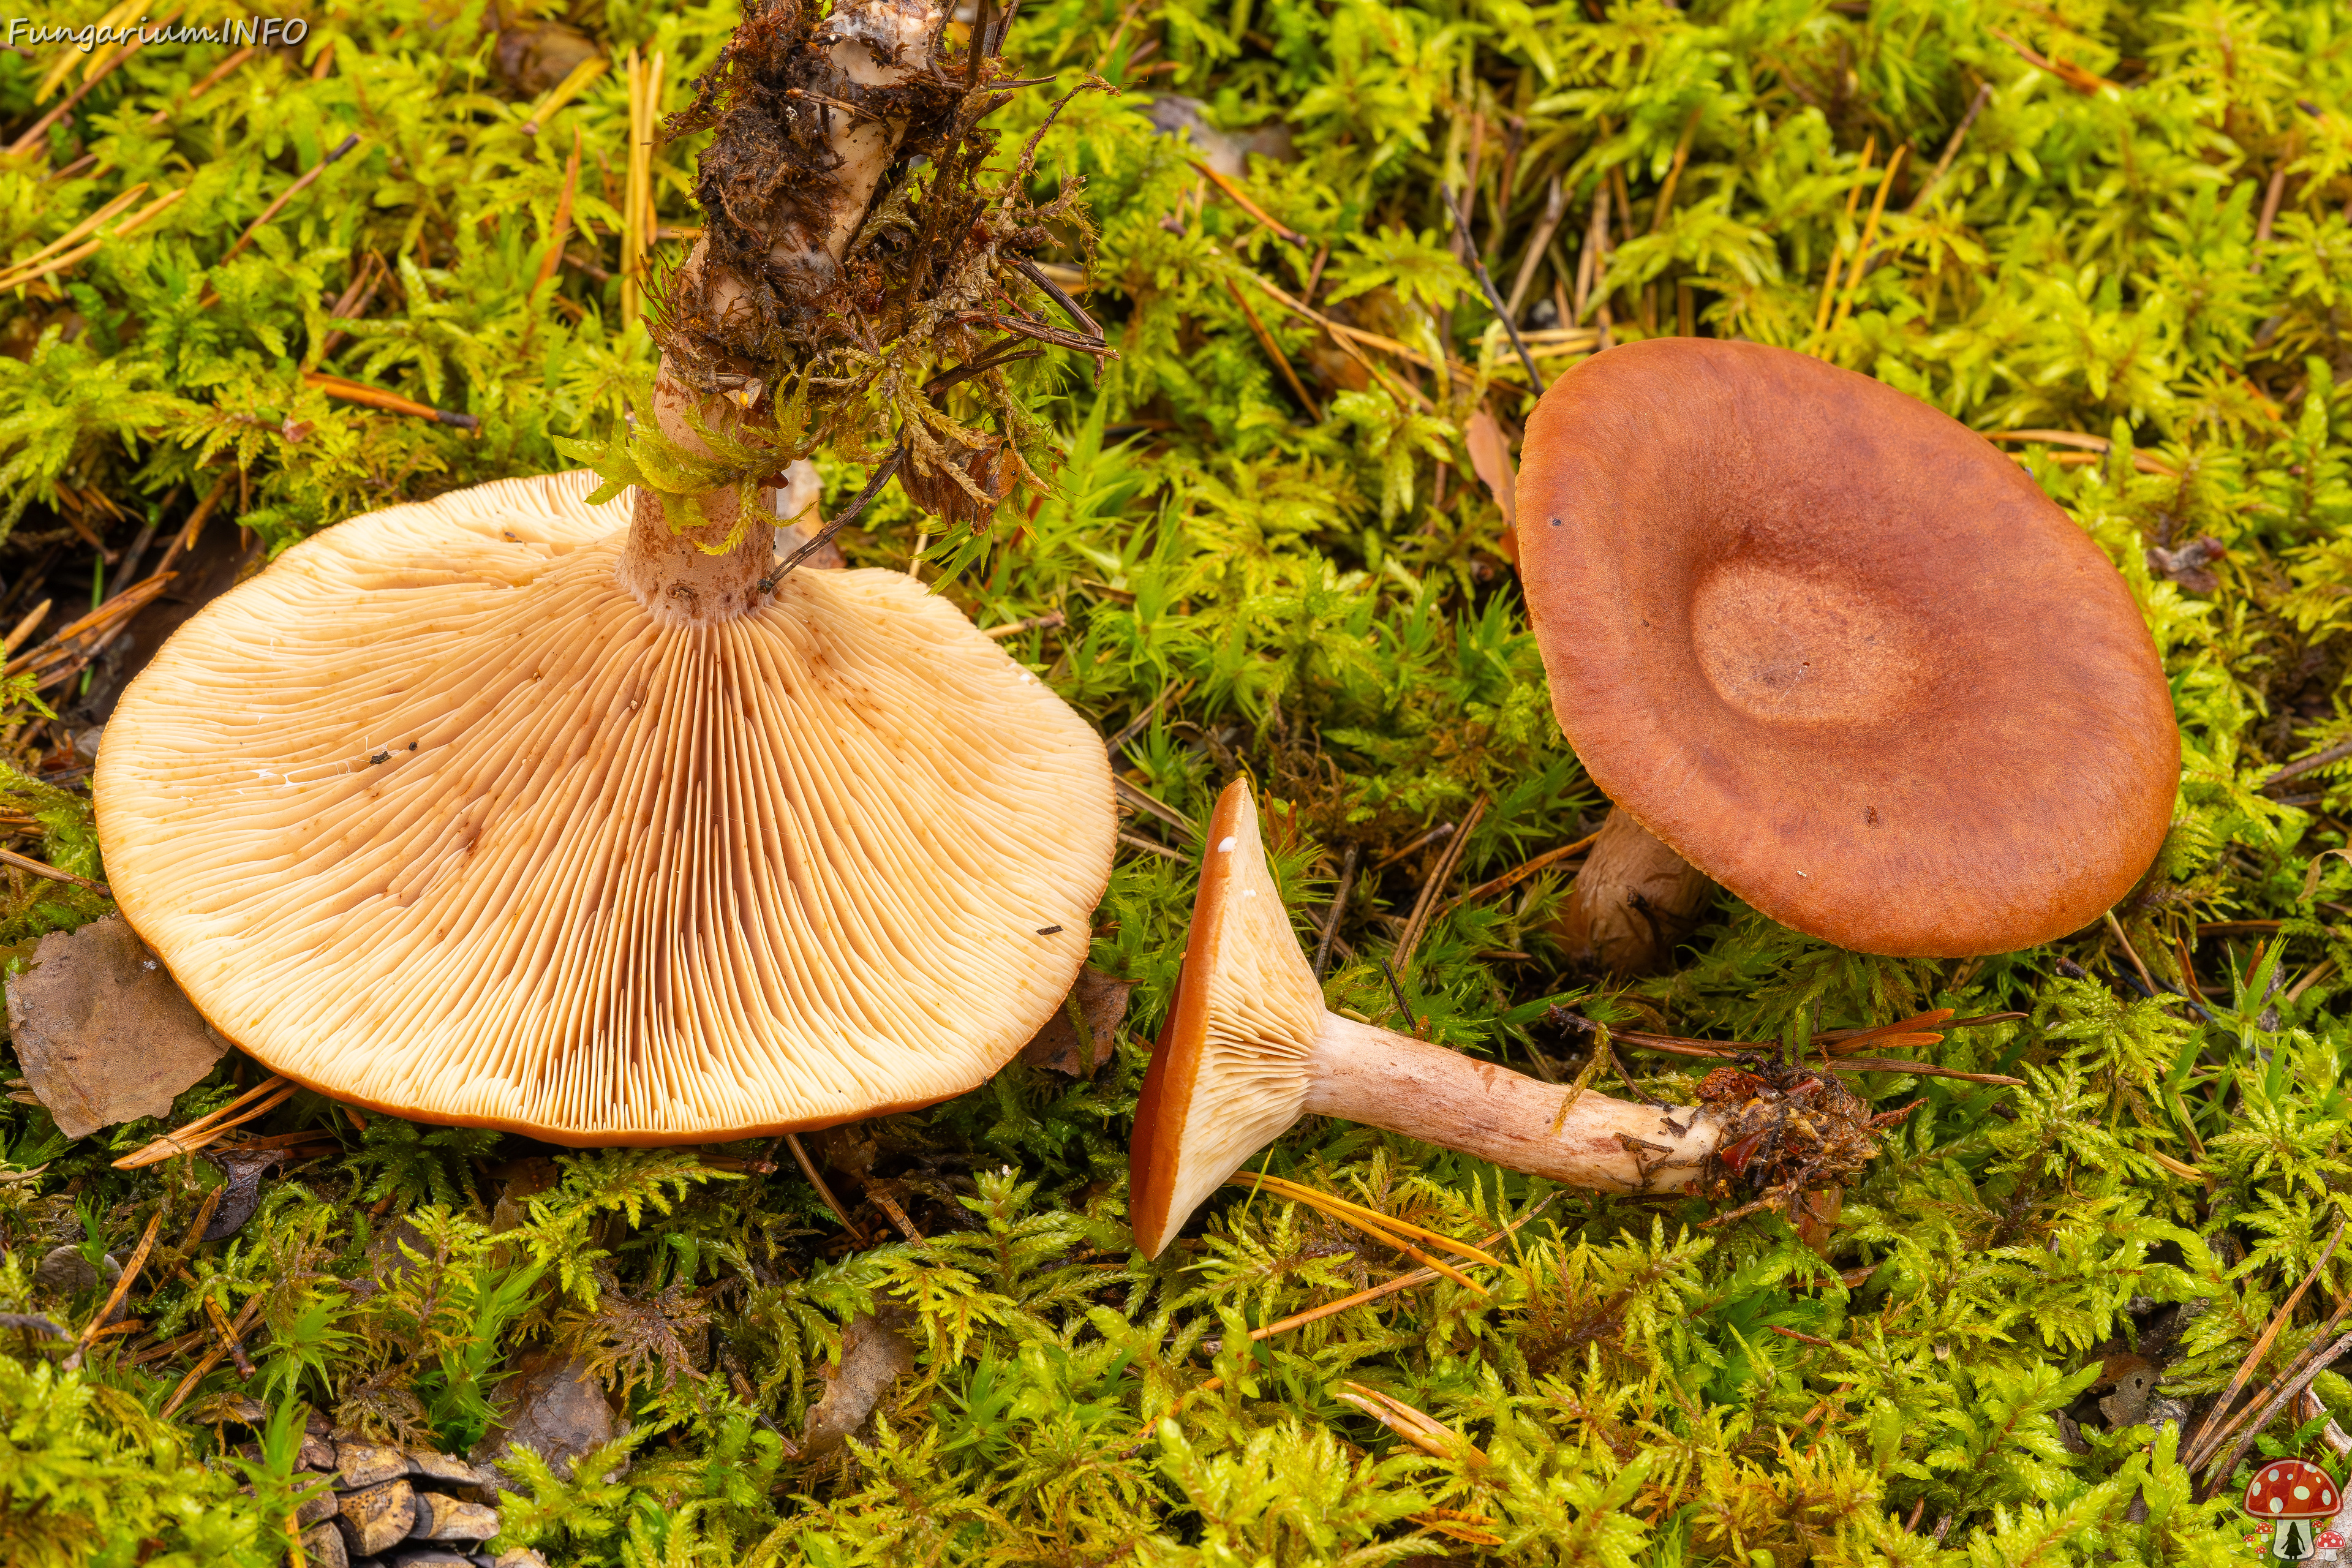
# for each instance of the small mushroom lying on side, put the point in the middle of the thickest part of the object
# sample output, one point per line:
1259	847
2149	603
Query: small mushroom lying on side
1249	1048
1830	647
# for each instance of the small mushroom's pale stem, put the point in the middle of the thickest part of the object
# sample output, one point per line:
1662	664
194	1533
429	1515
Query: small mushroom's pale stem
868	43
1363	1073
1632	901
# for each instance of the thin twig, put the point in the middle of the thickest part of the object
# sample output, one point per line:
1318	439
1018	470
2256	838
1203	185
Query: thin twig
1494	295
42	869
1952	147
271	1092
2311	763
1137	841
229	1341
1134	727
1046	622
1396	989
1555	208
287	195
1513	878
2129	952
2227	1466
823	536
348	391
1424	907
1233	194
1408	1282
1830	280
1274	352
1144	800
1059	295
1393	856
1869	234
808	1169
212	1358
1331	916
1665	201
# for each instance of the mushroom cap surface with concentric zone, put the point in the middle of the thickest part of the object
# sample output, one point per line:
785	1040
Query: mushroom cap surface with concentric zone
435	816
2291	1489
1840	653
1230	1071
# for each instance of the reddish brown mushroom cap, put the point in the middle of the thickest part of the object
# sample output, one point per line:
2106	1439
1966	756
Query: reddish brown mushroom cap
1840	653
2291	1489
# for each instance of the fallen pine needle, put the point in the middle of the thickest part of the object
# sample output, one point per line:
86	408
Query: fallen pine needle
1418	1427
2141	461
1345	1208
121	1288
1137	841
272	1092
390	402
42	869
1513	878
808	1169
2198	1448
1410	1280
212	1358
1235	194
1044	623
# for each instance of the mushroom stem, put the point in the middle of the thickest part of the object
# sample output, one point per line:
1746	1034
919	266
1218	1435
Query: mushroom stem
863	45
1363	1073
1632	903
663	564
1248	1048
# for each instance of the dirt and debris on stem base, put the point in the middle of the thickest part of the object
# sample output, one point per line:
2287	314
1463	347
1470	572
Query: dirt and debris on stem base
850	251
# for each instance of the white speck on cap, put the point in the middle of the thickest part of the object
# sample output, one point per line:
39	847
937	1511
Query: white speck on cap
2277	1503
2301	1493
1225	846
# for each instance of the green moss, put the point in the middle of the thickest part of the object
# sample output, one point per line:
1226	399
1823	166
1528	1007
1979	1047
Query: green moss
1326	604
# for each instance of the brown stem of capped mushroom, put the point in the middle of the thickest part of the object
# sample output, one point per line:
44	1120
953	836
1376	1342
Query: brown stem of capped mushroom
1632	901
1370	1074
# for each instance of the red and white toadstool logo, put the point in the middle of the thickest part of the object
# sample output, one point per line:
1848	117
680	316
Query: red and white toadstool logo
2293	1493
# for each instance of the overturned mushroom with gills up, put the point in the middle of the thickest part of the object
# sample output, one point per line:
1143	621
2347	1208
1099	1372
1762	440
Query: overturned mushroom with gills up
588	820
1249	1048
1828	646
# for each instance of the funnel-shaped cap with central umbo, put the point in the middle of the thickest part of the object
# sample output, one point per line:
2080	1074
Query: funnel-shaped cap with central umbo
1838	652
